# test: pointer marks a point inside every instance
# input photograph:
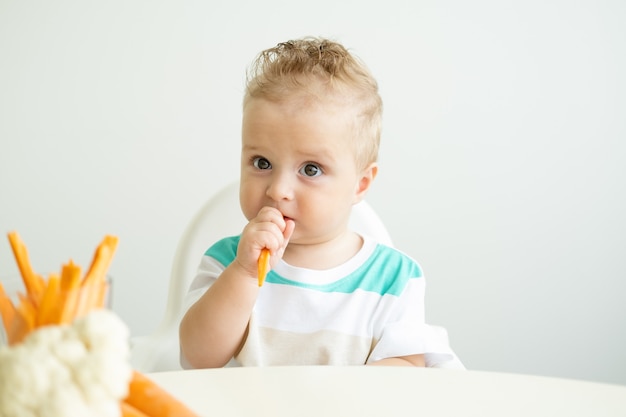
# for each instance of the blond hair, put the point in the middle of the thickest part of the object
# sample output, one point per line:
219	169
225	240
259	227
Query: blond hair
315	69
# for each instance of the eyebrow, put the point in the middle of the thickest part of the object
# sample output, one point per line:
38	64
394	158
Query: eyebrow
323	154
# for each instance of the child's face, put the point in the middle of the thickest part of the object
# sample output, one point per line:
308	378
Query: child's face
301	161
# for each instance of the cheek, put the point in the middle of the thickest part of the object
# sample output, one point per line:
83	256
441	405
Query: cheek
249	201
322	208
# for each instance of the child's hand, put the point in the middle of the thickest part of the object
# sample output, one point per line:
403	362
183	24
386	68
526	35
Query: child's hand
268	229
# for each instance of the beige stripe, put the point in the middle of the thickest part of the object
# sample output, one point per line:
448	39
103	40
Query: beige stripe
270	347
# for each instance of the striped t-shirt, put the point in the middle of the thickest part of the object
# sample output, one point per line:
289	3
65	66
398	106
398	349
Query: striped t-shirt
369	308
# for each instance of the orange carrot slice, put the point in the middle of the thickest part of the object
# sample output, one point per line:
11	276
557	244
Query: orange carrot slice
263	265
101	260
149	398
23	322
48	305
130	411
7	309
69	292
94	285
32	282
101	294
58	300
70	276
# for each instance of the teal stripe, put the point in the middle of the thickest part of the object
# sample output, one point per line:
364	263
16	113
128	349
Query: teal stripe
224	251
387	271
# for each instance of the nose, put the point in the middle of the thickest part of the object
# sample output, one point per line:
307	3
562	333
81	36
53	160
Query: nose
280	187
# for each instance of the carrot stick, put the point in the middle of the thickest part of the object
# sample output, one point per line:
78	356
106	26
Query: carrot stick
82	304
49	300
23	322
101	294
41	282
130	411
7	309
58	300
25	299
263	265
70	276
149	398
93	285
70	284
101	260
90	296
31	280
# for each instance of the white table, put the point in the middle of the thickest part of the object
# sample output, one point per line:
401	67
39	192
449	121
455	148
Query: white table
322	391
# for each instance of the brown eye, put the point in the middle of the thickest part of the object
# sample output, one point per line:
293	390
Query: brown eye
261	163
311	170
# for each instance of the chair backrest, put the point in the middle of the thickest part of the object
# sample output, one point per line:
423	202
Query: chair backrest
220	216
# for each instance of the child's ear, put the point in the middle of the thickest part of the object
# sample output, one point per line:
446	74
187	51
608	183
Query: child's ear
365	181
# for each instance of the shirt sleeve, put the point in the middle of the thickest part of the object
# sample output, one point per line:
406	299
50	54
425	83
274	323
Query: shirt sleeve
212	264
406	333
207	274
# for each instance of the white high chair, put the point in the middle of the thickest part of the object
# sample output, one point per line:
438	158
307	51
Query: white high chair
221	216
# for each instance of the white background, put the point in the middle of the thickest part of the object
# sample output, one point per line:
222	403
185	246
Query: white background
502	163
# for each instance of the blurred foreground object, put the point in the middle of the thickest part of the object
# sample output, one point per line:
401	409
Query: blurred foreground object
66	354
59	299
78	370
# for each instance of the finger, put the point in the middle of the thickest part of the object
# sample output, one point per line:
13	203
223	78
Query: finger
270	214
290	226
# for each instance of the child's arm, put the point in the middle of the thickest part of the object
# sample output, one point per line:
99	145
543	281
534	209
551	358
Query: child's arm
213	329
411	360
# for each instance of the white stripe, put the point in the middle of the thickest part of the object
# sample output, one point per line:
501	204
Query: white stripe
303	310
321	277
